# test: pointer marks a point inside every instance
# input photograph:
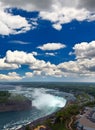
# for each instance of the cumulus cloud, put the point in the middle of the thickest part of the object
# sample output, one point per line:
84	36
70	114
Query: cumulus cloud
61	15
12	24
7	66
51	46
39	67
88	65
10	76
42	64
70	66
29	74
82	66
19	57
85	50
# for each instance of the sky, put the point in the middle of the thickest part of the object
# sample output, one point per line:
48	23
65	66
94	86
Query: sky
47	40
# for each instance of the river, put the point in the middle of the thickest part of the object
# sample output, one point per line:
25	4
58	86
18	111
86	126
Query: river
44	102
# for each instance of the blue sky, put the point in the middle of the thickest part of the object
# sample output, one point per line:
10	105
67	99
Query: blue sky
52	41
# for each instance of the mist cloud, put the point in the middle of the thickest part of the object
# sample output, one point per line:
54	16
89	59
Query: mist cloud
42	100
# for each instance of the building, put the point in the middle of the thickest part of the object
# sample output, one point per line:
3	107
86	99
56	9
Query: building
86	120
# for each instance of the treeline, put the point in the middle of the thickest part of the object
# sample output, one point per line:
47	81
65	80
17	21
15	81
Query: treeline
4	96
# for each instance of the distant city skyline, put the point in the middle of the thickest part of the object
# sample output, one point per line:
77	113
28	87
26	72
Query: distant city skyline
50	40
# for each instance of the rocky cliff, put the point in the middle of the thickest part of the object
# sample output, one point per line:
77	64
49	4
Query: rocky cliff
14	103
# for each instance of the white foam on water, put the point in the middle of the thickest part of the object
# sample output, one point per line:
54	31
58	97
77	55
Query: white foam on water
42	100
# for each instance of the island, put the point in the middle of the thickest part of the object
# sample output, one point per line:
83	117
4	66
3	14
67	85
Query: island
13	102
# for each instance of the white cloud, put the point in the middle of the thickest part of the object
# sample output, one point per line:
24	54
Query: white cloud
19	57
80	68
62	12
12	24
52	72
52	46
34	53
84	50
88	65
41	64
10	76
37	73
7	66
61	15
84	65
29	74
57	26
70	66
50	54
39	67
19	42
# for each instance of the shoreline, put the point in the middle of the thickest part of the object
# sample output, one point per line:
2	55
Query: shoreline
42	119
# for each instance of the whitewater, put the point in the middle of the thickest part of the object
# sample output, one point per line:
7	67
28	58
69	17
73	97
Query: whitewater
44	102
